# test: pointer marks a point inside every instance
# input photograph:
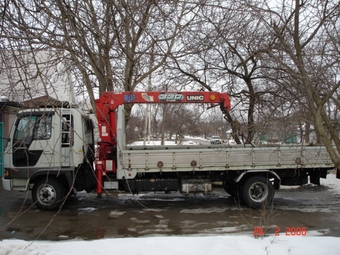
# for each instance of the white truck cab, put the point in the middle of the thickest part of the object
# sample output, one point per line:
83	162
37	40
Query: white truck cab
45	143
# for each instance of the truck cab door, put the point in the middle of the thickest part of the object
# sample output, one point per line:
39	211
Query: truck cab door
33	144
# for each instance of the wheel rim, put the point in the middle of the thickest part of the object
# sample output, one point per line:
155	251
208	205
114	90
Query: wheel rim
258	192
46	194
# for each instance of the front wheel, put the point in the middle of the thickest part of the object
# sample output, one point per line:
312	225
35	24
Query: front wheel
48	195
257	192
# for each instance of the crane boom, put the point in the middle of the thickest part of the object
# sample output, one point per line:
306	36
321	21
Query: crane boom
107	104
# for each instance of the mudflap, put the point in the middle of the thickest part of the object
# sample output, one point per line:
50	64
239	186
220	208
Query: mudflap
338	173
314	177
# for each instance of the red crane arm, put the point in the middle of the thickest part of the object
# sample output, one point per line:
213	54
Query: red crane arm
112	100
109	101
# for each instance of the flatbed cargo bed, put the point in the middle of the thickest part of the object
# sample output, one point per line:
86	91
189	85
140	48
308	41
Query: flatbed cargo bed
223	157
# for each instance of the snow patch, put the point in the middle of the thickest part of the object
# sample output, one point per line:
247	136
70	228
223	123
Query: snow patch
116	214
87	209
198	245
332	182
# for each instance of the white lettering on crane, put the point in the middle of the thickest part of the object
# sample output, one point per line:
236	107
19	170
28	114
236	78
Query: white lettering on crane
170	97
195	98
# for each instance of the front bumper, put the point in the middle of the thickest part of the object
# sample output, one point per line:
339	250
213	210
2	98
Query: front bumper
6	184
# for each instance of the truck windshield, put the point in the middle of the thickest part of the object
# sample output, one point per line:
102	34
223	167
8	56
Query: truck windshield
33	128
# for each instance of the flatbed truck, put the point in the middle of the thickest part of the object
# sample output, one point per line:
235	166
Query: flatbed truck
52	151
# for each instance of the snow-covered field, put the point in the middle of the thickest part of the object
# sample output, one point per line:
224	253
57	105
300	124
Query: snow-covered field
158	142
231	244
310	244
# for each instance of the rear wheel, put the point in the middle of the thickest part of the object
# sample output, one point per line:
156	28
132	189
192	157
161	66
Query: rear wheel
48	195
257	192
232	189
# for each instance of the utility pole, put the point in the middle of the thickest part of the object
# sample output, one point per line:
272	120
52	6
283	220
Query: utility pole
147	124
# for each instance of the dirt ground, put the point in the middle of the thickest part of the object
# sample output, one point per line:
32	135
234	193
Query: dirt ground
313	208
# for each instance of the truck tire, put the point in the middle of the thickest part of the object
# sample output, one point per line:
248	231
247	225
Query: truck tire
257	192
232	189
48	195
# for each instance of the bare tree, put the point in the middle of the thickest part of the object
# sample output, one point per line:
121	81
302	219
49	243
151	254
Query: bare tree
306	49
109	43
227	54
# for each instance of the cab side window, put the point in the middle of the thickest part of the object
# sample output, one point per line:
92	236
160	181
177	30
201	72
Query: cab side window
67	131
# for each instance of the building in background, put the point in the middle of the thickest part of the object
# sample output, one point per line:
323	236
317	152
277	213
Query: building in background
8	113
29	75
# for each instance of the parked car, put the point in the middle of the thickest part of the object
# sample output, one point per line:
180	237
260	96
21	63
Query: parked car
215	140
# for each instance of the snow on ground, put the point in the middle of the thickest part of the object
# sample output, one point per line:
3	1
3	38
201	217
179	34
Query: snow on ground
332	182
228	244
158	142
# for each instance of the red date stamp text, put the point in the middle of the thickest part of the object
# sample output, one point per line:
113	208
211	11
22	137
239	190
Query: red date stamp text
289	231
